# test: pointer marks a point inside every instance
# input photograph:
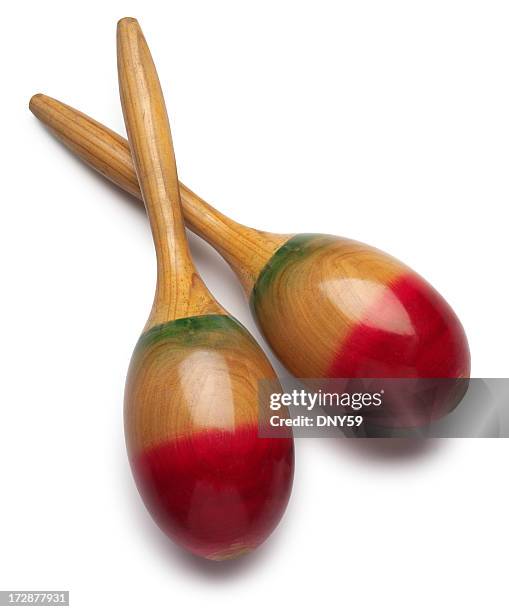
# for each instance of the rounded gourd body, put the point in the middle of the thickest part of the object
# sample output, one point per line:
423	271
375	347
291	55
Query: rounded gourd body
331	307
191	420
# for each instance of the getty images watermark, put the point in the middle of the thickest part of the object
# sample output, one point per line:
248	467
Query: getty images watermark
309	401
379	407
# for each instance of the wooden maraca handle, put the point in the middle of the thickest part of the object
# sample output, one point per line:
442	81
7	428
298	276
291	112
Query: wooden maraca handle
101	148
180	291
246	249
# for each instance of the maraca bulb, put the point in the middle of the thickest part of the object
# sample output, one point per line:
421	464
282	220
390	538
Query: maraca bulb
335	308
191	419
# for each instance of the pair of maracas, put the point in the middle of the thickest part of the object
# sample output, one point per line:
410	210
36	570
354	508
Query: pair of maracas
329	307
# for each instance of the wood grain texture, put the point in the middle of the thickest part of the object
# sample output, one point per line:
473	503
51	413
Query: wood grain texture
247	250
180	292
326	311
191	375
191	398
191	418
335	308
303	303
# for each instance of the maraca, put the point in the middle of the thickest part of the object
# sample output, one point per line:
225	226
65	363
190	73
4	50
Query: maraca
329	307
191	398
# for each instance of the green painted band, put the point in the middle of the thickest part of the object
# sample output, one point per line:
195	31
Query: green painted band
190	330
296	248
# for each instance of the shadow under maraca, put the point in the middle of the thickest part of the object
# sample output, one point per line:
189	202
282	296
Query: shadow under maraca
461	409
391	443
229	568
166	550
393	450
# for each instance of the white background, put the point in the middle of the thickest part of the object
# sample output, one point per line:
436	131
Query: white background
382	121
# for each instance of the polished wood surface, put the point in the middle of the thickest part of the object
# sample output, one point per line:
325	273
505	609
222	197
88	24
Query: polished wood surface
191	421
180	292
335	279
191	399
246	249
190	375
336	308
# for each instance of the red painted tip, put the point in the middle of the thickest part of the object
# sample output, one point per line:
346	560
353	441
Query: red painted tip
217	493
411	332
